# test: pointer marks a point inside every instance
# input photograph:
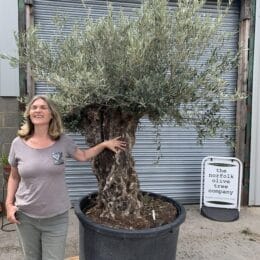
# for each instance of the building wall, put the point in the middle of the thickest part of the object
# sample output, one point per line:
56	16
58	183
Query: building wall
254	185
9	79
9	118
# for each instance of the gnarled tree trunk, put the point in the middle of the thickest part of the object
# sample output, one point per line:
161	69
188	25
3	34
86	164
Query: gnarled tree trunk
117	179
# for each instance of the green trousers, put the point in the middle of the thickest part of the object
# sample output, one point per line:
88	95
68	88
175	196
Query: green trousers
43	238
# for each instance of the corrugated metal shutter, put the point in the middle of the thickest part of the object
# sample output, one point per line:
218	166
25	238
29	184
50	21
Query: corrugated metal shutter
177	174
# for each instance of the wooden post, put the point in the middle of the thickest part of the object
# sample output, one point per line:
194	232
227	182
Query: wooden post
242	87
29	21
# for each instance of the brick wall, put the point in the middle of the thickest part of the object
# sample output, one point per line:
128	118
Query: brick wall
9	122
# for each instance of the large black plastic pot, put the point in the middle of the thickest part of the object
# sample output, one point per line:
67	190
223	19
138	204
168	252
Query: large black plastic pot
98	242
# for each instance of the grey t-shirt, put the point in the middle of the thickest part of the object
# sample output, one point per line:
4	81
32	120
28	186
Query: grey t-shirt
42	190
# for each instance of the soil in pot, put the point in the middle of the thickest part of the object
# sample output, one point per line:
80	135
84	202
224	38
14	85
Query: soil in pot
155	212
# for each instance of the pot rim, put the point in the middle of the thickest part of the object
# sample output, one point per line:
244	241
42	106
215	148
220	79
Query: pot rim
133	233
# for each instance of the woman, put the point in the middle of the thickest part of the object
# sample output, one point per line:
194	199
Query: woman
37	199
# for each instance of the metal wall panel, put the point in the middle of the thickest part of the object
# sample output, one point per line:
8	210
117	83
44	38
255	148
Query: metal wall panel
177	174
9	76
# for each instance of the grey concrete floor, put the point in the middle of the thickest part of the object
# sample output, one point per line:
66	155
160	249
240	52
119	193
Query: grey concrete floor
199	237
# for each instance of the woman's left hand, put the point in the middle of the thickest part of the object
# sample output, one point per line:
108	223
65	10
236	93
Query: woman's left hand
115	144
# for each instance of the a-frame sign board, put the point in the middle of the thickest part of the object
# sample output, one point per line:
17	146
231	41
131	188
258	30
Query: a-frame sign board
221	179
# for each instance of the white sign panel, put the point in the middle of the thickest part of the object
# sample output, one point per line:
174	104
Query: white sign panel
221	182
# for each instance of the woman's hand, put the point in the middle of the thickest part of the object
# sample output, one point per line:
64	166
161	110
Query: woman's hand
115	144
11	210
13	182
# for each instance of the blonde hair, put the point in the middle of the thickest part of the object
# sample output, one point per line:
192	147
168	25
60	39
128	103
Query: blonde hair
55	127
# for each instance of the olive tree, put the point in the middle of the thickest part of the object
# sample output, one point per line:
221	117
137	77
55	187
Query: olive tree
111	72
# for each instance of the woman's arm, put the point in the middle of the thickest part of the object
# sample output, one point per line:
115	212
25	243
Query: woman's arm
113	144
13	182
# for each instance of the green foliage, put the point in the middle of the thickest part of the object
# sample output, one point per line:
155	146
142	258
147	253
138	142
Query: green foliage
4	160
150	65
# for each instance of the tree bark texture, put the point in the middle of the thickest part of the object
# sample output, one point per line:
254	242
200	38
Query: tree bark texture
118	182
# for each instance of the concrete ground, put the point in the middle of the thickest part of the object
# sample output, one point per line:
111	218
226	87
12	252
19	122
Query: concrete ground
199	238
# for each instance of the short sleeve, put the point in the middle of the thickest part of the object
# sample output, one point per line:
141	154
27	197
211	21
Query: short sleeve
12	155
71	146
